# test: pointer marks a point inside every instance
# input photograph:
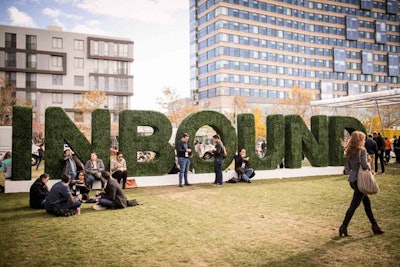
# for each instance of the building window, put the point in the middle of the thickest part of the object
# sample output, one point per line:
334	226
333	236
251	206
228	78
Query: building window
95	85
122	102
95	48
121	84
11	78
10	60
57	43
96	65
106	84
106	48
11	40
78	117
78	63
30	81
31	99
78	44
57	79
31	42
56	61
31	62
78	80
57	98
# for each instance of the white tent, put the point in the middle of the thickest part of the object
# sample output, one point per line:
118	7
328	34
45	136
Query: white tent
366	100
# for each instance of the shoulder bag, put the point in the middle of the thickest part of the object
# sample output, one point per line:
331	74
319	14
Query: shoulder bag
366	182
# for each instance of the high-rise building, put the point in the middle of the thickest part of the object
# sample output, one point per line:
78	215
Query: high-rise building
260	50
51	67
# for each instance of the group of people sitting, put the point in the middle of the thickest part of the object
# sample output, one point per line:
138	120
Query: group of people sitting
67	195
93	168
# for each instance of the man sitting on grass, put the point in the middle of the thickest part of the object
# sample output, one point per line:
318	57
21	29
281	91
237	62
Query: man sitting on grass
113	196
60	200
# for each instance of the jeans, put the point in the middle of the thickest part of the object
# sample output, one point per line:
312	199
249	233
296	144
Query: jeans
380	156
355	202
247	173
218	170
73	174
184	164
66	206
105	202
92	178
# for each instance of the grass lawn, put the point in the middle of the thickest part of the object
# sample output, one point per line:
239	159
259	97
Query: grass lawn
282	222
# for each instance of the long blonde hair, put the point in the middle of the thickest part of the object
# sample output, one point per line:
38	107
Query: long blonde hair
355	143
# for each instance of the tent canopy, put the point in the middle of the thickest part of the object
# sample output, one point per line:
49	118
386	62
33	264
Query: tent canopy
366	100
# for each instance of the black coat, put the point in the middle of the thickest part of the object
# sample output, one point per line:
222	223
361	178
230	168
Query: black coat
37	194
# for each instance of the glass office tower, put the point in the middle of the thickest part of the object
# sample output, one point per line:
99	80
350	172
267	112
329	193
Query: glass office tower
260	50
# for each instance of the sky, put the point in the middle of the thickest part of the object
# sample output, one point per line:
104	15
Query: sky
158	28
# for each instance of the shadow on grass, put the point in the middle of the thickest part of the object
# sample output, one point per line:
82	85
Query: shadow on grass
327	254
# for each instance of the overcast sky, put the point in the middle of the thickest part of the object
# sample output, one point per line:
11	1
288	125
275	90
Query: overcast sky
158	28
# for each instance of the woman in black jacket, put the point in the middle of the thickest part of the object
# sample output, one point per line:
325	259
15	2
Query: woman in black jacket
356	155
38	192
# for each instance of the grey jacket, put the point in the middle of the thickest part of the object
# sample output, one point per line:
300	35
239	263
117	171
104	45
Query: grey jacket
354	163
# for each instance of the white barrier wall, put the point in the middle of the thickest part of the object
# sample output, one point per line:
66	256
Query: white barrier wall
172	179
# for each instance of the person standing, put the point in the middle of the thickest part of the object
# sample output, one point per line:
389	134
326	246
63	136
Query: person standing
218	153
6	165
71	164
380	142
60	197
356	155
396	148
183	152
119	170
242	168
372	149
38	192
388	149
113	196
41	155
93	168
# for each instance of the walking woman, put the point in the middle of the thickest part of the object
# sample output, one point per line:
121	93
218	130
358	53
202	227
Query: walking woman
356	155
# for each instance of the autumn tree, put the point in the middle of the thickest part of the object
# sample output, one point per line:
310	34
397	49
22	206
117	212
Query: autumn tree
177	108
259	121
7	100
89	101
298	103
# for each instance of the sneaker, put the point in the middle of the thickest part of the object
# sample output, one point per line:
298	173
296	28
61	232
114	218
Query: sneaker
188	184
180	185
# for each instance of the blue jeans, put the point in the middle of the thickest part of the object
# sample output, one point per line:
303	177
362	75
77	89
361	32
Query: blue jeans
92	178
66	206
105	202
184	164
218	170
247	173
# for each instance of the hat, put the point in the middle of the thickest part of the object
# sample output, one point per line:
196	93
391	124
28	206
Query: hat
66	148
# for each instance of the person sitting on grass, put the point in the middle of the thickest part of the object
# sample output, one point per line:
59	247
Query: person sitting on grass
80	185
113	196
38	192
60	197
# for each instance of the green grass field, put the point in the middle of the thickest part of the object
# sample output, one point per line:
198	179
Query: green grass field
282	222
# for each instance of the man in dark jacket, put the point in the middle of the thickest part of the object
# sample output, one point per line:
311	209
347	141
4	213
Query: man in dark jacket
372	149
380	142
38	192
242	167
71	164
113	197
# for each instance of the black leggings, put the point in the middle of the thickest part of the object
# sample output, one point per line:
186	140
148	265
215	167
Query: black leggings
355	202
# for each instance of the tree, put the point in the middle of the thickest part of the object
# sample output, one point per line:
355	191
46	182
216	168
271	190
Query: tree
177	108
7	101
298	103
89	102
259	122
